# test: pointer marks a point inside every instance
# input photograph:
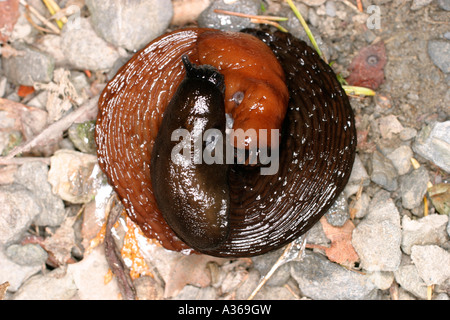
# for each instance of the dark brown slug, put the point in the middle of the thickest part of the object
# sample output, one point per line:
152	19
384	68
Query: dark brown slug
193	196
272	81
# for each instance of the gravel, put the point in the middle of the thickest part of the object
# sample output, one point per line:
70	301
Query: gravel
400	250
439	51
130	24
377	237
209	19
433	143
28	66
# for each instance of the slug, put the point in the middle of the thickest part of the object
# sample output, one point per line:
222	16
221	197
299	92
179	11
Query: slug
193	196
273	82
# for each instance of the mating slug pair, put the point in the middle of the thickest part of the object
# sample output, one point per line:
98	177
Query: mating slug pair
193	79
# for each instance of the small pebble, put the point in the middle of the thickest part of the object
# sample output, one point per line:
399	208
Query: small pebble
209	19
413	187
130	24
338	213
82	136
401	159
377	237
439	52
433	143
330	8
418	4
29	66
408	278
75	176
27	255
18	208
444	4
432	263
383	172
389	126
84	49
55	285
407	134
33	176
427	230
320	279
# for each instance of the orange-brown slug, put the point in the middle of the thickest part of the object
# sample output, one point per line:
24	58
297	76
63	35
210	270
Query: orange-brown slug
272	81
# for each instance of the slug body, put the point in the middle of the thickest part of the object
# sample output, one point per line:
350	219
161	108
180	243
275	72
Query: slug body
192	195
272	81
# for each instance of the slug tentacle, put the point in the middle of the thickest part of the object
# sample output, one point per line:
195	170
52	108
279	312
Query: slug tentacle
169	101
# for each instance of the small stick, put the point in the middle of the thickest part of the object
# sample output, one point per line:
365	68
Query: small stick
307	30
353	90
272	23
244	15
40	17
360	6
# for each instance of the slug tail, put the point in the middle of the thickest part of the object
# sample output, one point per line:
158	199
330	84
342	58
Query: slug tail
203	72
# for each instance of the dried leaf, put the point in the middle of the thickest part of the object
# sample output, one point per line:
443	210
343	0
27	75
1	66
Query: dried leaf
440	197
367	68
24	91
341	250
9	13
60	244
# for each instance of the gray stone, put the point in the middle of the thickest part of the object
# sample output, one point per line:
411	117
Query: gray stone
357	178
377	237
383	172
248	285
338	213
401	159
33	176
320	279
82	136
18	209
433	143
427	230
194	293
89	277
444	4
55	285
408	278
407	134
67	164
29	66
432	262
275	293
265	262
296	29
84	49
130	24
389	125
413	187
439	52
27	255
314	3
209	19
330	8
15	273
361	205
418	4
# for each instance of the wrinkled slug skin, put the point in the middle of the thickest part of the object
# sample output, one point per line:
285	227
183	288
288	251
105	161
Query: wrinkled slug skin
193	197
316	149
